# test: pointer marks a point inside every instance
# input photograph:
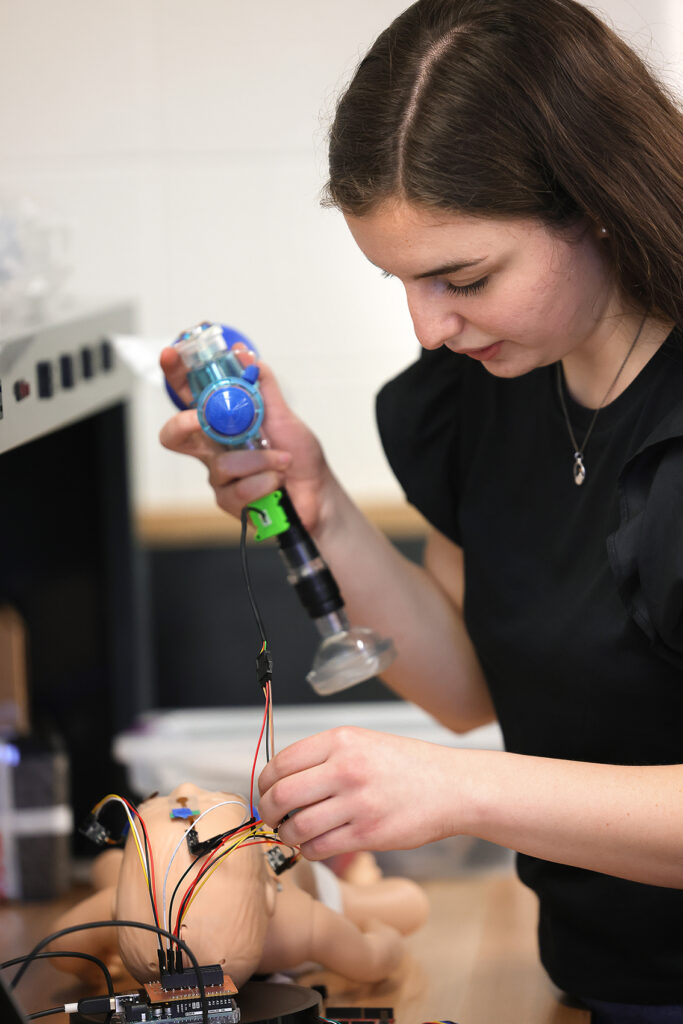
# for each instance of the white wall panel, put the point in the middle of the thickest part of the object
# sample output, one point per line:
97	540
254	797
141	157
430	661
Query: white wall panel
184	146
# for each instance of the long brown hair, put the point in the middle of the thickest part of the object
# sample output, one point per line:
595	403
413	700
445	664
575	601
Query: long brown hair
530	108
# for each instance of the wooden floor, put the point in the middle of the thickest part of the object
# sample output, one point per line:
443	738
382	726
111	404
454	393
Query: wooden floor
474	962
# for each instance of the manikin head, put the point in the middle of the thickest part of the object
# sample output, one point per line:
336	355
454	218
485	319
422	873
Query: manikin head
228	919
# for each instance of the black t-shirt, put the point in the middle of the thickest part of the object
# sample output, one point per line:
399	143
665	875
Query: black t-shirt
574	602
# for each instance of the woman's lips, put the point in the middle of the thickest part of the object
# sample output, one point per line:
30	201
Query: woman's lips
482	353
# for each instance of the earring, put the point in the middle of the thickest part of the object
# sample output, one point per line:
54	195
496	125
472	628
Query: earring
603	232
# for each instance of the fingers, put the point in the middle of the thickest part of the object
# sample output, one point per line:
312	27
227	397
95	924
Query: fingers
298	757
277	412
182	433
329	844
176	373
233	498
265	467
309	824
241	477
237	464
317	792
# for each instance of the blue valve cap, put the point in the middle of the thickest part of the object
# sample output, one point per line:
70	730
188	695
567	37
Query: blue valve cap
230	411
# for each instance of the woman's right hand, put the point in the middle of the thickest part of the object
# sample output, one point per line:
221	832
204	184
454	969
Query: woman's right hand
240	476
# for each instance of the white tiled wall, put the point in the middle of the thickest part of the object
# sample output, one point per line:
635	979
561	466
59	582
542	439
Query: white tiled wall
184	146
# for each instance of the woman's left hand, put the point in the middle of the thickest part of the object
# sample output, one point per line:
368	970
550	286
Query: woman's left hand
352	789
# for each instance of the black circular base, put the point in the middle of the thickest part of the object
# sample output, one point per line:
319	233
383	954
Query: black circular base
265	1002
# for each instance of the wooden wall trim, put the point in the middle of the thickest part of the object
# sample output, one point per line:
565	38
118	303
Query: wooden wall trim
198	527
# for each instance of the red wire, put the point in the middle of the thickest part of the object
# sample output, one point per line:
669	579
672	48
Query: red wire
206	865
151	856
254	824
258	747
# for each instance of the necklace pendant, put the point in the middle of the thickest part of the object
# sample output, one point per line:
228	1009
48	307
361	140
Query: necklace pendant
579	469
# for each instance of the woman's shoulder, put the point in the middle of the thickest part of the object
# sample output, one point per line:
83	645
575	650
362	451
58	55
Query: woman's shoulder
418	417
434	370
646	549
426	395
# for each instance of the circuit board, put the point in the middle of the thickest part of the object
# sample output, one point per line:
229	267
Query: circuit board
179	1007
257	1003
179	1004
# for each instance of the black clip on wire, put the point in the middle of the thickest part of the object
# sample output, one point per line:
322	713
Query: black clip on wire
198	849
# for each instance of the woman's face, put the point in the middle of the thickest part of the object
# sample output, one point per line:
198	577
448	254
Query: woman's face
508	292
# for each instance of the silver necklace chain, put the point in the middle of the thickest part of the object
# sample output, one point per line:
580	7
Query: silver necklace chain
579	467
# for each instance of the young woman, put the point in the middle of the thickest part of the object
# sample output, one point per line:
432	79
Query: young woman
516	166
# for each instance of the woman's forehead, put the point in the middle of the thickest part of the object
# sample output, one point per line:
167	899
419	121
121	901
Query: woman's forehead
418	241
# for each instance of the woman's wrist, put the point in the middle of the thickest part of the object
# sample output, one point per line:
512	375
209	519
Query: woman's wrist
333	506
480	781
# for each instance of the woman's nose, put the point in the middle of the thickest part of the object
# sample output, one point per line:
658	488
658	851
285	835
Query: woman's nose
433	321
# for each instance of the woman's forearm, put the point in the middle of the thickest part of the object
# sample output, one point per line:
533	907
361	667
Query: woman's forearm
436	666
621	820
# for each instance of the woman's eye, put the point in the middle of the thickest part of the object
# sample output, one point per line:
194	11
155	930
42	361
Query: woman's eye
466	289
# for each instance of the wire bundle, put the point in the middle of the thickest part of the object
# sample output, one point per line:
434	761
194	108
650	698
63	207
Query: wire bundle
146	857
251	832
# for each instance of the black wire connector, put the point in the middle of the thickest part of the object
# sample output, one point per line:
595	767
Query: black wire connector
198	848
264	668
93	829
278	861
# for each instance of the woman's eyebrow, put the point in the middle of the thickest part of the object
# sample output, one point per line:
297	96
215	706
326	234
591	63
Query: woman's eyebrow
450	268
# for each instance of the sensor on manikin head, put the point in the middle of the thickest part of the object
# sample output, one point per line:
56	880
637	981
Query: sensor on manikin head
230	409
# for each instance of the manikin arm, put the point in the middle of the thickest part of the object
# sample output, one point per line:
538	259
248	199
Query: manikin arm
303	929
99	942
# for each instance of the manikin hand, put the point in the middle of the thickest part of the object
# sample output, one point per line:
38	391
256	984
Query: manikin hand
241	476
353	789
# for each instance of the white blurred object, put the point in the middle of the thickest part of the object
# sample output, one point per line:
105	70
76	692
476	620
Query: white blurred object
141	355
214	747
35	263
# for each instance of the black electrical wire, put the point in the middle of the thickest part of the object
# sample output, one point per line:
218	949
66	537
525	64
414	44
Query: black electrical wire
194	863
245	569
220	857
252	600
121	924
73	955
188	895
91	1004
147	858
173	896
149	883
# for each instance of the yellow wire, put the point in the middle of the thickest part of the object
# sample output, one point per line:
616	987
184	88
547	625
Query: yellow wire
133	828
239	842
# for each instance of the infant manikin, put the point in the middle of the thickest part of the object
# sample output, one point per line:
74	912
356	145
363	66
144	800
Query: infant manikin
244	917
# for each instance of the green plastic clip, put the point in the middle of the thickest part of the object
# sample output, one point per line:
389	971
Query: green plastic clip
271	518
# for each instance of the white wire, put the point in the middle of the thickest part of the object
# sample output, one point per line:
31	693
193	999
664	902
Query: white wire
238	803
